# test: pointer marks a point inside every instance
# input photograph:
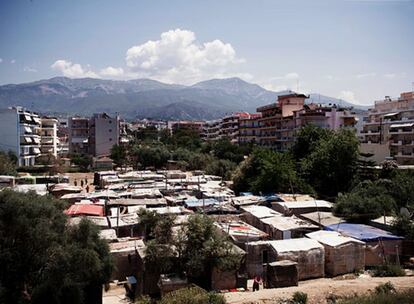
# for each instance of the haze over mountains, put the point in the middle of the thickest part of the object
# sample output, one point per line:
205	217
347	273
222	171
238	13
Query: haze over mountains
144	98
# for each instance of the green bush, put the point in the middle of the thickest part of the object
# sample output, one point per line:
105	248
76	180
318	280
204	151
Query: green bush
299	298
388	271
385	288
192	295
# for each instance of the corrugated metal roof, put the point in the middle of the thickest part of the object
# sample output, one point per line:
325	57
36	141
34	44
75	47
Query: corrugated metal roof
301	244
84	209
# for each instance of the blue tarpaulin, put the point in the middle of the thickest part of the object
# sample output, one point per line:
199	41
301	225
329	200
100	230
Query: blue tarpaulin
362	232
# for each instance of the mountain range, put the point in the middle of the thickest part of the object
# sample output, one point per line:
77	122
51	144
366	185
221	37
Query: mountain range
145	98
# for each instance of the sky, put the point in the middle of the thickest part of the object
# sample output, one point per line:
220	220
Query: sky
357	50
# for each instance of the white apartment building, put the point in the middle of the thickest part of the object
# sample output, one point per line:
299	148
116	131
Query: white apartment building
20	133
388	129
48	137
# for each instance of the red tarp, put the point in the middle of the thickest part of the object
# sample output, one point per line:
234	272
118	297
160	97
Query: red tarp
85	209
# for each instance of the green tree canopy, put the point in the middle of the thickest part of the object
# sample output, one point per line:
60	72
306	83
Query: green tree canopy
307	140
8	163
368	200
44	260
119	154
269	172
331	166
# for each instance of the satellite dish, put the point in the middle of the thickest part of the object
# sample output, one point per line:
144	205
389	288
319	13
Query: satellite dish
404	211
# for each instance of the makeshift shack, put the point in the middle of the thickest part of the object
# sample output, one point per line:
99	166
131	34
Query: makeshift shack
321	219
281	274
241	232
309	254
300	207
170	282
342	254
381	246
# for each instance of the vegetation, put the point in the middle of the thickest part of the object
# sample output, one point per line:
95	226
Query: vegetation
83	161
43	259
368	200
192	295
385	288
119	155
8	163
299	298
388	270
266	171
384	294
331	164
196	250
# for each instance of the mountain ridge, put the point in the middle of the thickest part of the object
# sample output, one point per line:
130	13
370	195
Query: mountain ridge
143	98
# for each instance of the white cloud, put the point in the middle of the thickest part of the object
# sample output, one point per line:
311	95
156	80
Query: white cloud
13	61
112	72
178	57
74	70
348	96
366	75
29	69
289	81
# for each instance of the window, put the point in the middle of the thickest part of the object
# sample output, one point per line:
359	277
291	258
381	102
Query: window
110	139
110	130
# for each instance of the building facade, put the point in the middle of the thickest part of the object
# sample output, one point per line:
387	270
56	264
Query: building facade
20	134
388	130
48	137
104	132
78	135
277	124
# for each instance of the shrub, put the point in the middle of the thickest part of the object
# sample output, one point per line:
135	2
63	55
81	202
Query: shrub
385	288
388	271
299	298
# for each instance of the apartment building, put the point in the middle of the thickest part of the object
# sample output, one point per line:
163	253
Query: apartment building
249	128
388	129
197	126
95	135
104	132
48	137
78	135
211	130
19	133
277	124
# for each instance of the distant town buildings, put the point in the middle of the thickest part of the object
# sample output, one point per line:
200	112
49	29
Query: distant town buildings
388	130
48	136
276	124
196	126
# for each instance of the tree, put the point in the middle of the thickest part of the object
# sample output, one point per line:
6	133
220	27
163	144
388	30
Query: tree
331	166
368	200
149	156
44	260
8	163
83	161
220	167
119	154
307	140
268	172
202	248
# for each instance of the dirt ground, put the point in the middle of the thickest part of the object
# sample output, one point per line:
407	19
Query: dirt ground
318	289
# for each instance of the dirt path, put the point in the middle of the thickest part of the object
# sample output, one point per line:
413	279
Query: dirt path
318	289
